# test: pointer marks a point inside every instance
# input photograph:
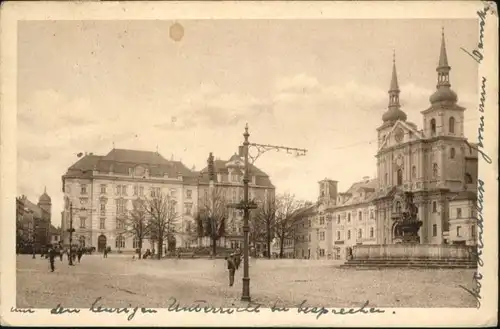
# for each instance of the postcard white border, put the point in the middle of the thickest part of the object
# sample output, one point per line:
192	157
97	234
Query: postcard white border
12	12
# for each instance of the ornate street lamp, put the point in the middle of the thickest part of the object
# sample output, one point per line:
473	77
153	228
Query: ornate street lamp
246	205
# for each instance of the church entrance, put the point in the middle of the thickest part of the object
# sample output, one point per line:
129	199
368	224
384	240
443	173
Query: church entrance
101	243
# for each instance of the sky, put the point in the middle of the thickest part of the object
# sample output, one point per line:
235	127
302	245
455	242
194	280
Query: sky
321	85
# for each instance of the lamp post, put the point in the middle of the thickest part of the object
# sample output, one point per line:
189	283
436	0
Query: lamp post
71	230
245	205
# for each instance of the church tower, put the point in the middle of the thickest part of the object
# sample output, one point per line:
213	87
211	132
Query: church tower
443	127
45	202
394	112
444	117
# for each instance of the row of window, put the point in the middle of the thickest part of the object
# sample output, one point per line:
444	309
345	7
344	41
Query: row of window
451	125
398	209
399	173
360	234
458	230
123	189
121	207
360	216
234	194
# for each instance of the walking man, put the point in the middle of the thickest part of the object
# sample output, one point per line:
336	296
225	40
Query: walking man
80	253
231	267
105	252
52	255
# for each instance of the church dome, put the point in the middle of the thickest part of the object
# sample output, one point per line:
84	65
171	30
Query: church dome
393	115
443	94
45	198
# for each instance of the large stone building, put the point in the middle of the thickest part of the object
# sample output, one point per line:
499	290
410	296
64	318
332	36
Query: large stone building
436	163
102	188
33	221
229	179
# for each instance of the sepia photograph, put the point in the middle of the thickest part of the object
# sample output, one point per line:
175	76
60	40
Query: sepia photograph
329	165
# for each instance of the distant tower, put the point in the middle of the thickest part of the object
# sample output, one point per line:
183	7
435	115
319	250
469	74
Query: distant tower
45	202
328	191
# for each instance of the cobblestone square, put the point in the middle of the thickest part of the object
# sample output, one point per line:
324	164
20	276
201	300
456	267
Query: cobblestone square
121	280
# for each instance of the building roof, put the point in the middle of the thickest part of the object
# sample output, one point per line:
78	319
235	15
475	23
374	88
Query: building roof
261	178
120	161
30	206
54	230
352	194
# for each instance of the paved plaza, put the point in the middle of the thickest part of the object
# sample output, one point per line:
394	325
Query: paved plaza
121	280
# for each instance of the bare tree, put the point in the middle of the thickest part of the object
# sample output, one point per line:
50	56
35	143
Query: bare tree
287	208
163	217
135	223
265	223
212	216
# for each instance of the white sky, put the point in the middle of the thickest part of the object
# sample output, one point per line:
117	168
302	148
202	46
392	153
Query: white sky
315	84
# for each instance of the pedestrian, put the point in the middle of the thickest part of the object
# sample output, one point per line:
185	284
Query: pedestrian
231	267
61	254
237	258
52	255
80	254
105	253
73	254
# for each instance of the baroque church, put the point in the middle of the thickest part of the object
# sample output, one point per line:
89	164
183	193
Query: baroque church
435	163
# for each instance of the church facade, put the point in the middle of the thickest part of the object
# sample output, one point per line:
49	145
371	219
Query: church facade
435	163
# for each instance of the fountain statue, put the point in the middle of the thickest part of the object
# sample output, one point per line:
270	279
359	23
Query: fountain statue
407	224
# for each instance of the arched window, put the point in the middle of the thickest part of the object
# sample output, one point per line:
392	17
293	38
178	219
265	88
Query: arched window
82	241
349	217
468	178
398	207
400	177
451	125
360	233
413	172
371	232
120	241
386	179
434	170
349	235
452	153
433	126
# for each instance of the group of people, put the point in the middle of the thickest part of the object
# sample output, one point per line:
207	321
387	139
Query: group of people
74	253
233	264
